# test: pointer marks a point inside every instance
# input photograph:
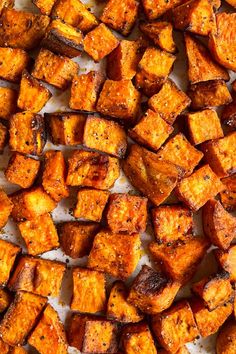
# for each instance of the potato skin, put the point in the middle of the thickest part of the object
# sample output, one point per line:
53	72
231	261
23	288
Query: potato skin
226	339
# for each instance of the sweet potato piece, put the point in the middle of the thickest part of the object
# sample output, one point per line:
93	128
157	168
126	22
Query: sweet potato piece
156	8
21	29
5	300
75	13
89	293
106	136
138	338
90	204
151	130
171	223
182	350
38	276
76	238
209	322
4	347
215	290
115	254
197	189
201	66
228	196
49	336
153	69
218	224
119	99
100	42
204	125
18	350
126	213
180	259
45	6
21	317
155	179
27	133
120	16
227	260
3	137
6	207
221	155
76	328
226	339
175	326
222	47
209	94
85	90
54	69
169	102
63	39
22	170
196	16
229	113
8	99
6	3
31	229
31	203
152	292
92	169
13	61
8	253
160	32
118	308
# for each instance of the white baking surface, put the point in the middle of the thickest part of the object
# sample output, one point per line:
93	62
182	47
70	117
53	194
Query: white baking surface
59	102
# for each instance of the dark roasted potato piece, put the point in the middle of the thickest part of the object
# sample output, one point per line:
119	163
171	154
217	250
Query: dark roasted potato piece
6	3
226	339
156	8
45	6
13	61
228	196
138	338
229	113
4	347
160	32
5	208
8	253
5	300
227	261
8	102
3	137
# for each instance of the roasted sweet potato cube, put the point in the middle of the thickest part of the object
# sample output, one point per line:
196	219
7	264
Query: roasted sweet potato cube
198	188
27	133
228	196
100	42
155	179
180	259
76	238
175	326
6	207
169	102
90	204
119	99
120	16
171	223
31	229
153	69
31	203
152	292
89	293
45	6
115	254
4	347
3	137
136	338
229	113
22	170
8	253
182	350
92	169
75	330
49	334
151	130
196	16
6	3
220	41
201	66
18	350
126	213
106	136
75	13
160	32
156	8
21	317
118	308
209	94
66	128
208	322
56	70
85	90
218	224
8	99
5	300
215	290
13	61
227	261
33	95
221	155
20	29
122	63
37	275
226	339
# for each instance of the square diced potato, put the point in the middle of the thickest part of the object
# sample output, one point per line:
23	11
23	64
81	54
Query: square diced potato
227	260
8	253
8	102
13	61
138	336
5	300
228	196
156	8
3	137
18	350
45	6
226	336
